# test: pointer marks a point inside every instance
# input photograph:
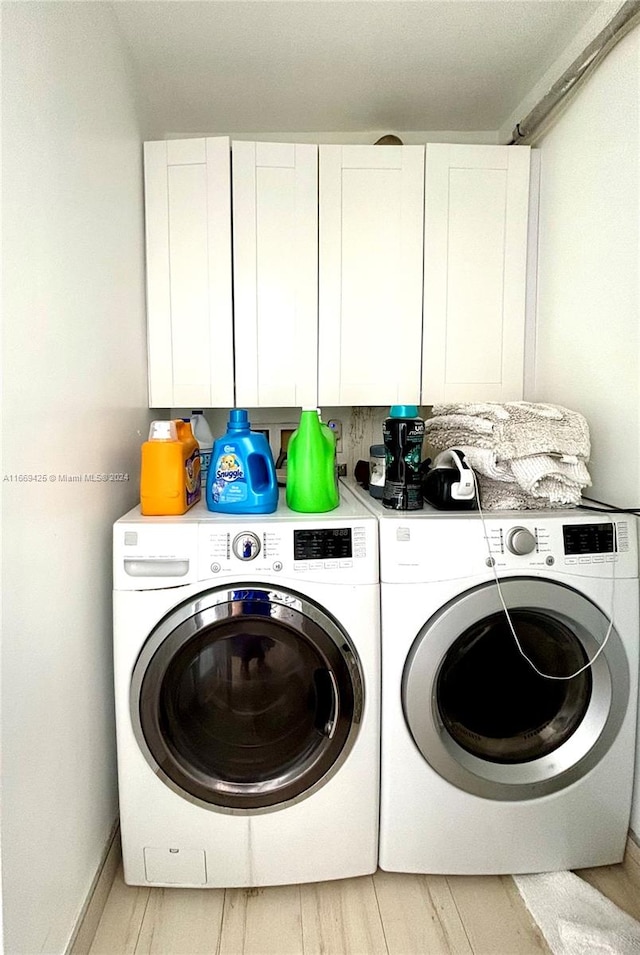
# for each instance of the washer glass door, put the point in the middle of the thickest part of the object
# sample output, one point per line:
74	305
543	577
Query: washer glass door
246	699
485	719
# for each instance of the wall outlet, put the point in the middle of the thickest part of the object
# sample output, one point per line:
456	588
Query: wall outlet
342	470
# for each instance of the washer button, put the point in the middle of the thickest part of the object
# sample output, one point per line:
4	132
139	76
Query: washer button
277	565
216	568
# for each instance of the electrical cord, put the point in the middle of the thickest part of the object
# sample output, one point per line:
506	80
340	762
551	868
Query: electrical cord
492	564
607	508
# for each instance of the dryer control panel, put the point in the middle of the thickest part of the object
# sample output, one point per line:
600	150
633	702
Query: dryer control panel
450	548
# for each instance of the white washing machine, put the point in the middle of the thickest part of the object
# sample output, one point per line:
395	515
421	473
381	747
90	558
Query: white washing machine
488	767
247	668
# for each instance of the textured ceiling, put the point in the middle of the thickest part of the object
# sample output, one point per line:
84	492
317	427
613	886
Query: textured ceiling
232	66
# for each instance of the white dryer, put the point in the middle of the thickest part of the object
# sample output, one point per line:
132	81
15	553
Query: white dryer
247	696
488	767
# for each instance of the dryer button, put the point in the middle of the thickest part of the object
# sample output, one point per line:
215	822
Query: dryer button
520	541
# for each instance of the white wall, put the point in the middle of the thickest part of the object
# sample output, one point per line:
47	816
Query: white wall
588	333
74	403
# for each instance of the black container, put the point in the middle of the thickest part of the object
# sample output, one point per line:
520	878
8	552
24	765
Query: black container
403	433
377	466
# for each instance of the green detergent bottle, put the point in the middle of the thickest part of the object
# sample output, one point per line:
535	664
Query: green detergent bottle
311	472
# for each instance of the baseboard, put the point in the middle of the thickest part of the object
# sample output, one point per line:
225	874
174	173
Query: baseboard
631	861
92	910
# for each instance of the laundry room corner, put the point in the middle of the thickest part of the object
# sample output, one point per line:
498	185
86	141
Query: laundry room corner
587	342
74	414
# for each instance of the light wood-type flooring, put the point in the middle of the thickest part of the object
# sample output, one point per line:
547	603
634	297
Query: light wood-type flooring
382	914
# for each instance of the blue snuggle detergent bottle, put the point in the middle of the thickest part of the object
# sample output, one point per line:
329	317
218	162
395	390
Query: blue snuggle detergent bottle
242	476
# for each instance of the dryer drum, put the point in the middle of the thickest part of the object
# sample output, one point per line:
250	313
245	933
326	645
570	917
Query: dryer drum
246	704
480	715
492	701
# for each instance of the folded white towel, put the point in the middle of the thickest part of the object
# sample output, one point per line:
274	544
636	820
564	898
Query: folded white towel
484	461
513	429
506	496
532	472
556	492
463	422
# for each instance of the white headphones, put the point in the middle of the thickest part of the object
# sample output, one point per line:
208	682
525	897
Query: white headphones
464	489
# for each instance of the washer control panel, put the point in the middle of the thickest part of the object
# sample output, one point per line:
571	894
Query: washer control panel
324	552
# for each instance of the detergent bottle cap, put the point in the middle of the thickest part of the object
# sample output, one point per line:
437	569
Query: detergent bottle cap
404	411
238	420
163	431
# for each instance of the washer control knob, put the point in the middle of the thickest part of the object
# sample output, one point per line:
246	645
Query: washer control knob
246	546
520	541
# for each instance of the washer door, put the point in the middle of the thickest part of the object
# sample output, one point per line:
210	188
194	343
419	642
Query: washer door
246	699
484	719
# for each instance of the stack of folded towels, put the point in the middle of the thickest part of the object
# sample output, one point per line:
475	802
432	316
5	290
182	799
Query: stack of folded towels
525	454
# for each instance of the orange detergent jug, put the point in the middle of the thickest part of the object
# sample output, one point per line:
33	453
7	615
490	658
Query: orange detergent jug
170	469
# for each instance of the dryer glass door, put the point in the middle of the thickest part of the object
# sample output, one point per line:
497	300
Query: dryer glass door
246	699
484	719
494	704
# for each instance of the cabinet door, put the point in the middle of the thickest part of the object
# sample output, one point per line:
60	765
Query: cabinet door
275	269
370	293
189	304
475	257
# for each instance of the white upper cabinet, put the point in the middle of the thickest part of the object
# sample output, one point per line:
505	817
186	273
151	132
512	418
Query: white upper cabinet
370	274
275	272
362	275
189	300
475	259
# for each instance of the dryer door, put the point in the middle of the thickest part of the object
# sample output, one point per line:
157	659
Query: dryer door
481	715
246	699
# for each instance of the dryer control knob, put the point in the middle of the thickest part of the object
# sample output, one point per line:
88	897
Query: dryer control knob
520	541
246	546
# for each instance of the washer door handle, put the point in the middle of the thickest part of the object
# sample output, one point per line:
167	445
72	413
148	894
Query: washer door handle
327	690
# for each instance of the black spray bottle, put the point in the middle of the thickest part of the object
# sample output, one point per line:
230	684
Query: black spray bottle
403	433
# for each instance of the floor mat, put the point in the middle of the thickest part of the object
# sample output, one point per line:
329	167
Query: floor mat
575	918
